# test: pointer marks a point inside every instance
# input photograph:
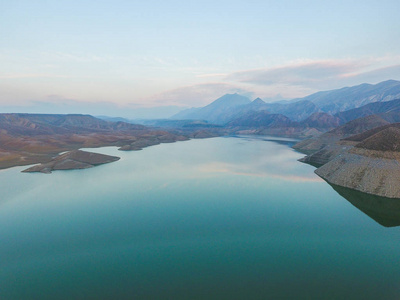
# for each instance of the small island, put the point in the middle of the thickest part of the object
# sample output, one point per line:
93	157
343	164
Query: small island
72	160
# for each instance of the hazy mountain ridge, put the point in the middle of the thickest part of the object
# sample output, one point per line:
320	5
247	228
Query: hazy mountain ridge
38	124
266	119
261	119
344	103
346	98
369	109
218	112
296	111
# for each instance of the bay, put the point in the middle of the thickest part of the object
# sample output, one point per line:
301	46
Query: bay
220	218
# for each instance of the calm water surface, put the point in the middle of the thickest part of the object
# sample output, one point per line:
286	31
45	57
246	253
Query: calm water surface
222	218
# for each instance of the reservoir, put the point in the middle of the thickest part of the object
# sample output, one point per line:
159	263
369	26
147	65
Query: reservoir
220	218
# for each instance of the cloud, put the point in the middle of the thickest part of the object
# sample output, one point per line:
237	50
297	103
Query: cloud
299	79
180	84
376	75
309	74
292	80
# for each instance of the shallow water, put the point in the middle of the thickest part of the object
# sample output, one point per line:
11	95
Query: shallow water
221	218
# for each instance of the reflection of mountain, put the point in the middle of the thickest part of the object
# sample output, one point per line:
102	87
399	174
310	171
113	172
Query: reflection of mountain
385	211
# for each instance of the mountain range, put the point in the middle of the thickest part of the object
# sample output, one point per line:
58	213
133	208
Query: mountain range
233	107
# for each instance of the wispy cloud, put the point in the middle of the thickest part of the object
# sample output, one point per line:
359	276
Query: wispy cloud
292	80
304	77
305	73
41	74
378	74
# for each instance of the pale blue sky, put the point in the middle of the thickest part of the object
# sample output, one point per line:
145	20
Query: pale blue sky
189	53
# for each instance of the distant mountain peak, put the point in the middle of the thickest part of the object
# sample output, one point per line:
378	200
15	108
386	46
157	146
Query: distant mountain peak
258	101
235	99
390	81
218	111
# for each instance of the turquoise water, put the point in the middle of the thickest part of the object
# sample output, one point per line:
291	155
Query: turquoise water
221	218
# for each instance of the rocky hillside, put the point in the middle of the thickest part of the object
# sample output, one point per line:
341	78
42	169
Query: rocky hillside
312	145
370	172
368	162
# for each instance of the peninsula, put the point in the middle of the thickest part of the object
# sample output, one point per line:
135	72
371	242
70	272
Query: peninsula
71	160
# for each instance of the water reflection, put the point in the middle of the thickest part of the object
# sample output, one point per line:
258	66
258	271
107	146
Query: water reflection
385	211
258	156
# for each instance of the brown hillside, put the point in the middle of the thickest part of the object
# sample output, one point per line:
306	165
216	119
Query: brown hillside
387	139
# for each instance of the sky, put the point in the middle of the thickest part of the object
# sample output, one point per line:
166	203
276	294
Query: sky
144	54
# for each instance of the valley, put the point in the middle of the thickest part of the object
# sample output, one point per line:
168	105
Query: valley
353	145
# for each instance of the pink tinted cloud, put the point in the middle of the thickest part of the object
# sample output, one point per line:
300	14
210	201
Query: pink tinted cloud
309	73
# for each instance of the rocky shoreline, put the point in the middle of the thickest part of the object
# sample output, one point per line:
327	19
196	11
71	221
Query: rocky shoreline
368	162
